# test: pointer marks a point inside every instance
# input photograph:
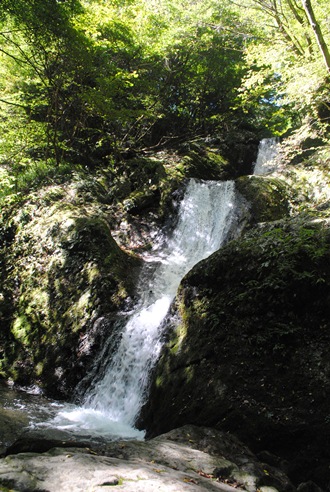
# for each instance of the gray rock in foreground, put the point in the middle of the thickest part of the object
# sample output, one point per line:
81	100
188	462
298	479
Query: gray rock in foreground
189	458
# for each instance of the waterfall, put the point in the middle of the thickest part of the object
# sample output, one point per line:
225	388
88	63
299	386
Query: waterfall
266	158
114	399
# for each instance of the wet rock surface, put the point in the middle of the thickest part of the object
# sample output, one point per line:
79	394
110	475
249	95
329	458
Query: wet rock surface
64	273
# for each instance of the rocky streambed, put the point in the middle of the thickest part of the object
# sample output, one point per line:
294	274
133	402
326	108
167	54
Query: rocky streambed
187	459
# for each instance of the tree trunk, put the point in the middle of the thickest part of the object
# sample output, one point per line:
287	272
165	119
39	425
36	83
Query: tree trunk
317	31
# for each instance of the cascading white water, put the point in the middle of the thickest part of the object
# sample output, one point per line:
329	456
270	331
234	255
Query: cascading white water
266	159
113	403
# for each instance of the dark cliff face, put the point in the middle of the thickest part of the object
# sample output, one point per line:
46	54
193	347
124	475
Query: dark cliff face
250	351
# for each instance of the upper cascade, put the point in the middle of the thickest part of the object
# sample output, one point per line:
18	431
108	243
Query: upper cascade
266	162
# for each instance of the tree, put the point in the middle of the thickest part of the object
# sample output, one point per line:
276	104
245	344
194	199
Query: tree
284	45
39	37
92	80
317	31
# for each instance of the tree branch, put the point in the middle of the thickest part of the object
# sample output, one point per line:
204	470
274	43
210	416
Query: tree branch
14	104
317	32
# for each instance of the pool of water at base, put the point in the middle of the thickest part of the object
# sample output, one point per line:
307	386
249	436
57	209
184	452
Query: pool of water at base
29	413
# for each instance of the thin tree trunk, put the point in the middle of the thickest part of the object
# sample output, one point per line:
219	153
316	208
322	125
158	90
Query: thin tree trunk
295	10
317	31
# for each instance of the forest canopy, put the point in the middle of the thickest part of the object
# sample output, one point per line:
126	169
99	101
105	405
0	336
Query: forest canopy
84	82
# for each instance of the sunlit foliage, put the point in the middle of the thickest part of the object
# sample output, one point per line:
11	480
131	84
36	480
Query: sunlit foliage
86	81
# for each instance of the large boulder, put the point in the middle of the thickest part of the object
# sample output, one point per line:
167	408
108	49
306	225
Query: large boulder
248	352
268	197
64	280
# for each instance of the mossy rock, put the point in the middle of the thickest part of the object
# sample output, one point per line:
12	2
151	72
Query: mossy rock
69	273
142	169
143	199
204	163
269	197
250	351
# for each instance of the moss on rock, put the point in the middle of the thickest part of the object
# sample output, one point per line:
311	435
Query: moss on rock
66	272
269	197
204	163
250	352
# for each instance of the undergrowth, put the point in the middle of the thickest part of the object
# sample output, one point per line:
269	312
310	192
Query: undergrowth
31	176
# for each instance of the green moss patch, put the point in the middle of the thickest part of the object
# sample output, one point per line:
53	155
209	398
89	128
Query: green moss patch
65	272
269	197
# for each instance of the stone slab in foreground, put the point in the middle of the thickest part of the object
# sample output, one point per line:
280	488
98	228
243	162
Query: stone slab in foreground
187	459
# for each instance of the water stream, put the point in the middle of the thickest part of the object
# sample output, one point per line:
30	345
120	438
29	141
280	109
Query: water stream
266	162
116	393
115	397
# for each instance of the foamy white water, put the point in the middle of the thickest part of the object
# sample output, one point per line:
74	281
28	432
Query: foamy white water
114	401
266	160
